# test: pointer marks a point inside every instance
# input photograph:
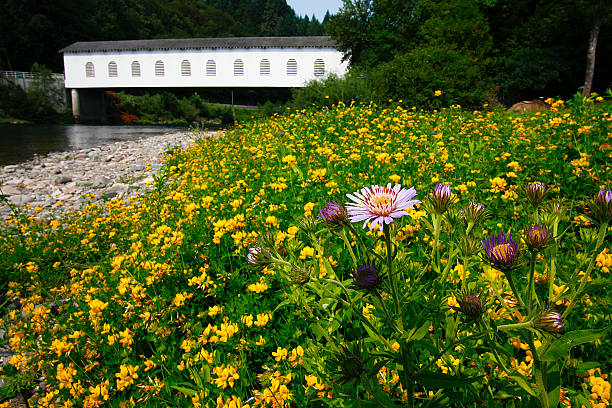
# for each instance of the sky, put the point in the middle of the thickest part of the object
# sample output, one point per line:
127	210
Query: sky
316	7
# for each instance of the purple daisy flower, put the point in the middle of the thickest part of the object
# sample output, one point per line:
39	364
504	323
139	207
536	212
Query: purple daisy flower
501	251
380	205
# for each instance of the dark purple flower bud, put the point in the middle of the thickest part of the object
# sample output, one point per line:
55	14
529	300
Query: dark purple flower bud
367	277
350	361
333	214
550	321
471	305
602	205
441	198
258	257
538	237
501	252
536	192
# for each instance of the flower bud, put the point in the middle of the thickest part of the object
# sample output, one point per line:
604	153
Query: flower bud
299	276
601	205
367	277
536	192
350	362
441	198
538	237
474	212
471	305
258	257
550	321
333	214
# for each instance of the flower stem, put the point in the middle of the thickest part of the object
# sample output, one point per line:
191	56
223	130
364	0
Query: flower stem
603	228
437	223
392	277
465	269
514	326
348	245
514	291
531	286
553	262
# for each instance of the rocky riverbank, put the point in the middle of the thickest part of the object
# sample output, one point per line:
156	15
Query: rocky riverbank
51	185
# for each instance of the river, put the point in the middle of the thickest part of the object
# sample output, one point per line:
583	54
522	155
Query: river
19	143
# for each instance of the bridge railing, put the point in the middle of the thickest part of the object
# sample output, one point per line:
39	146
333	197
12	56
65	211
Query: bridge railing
27	75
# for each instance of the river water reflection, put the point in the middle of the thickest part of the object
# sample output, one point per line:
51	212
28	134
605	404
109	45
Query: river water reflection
19	143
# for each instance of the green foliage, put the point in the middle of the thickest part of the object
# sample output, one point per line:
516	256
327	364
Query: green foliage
415	76
268	18
166	107
38	104
525	49
332	90
35	31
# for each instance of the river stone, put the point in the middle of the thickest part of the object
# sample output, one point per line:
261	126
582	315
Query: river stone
20	199
10	190
101	181
118	188
63	179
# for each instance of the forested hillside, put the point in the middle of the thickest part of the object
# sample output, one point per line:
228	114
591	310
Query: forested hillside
33	31
270	18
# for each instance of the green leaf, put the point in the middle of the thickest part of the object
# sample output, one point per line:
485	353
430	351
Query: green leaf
553	383
594	286
520	380
451	327
559	348
417	333
431	379
186	391
283	304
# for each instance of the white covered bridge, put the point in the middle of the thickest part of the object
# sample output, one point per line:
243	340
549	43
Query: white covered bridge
239	62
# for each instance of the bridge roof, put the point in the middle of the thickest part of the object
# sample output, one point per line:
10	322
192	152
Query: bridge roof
202	43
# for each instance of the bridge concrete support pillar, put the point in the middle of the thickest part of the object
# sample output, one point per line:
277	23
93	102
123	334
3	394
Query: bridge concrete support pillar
88	105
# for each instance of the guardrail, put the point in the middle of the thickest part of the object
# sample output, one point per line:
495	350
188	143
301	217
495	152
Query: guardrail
27	75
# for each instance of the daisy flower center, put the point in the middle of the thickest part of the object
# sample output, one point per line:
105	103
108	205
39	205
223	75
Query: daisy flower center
502	251
381	205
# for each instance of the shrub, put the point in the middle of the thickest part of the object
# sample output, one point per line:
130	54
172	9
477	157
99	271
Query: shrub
415	76
355	86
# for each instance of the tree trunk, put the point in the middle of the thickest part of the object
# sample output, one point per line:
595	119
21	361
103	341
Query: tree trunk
590	68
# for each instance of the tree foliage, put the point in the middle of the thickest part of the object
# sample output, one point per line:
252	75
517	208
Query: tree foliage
34	31
268	18
521	48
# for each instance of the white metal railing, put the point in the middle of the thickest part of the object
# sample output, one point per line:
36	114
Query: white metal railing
27	75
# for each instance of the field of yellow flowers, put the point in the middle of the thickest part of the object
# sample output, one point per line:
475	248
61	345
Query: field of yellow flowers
151	302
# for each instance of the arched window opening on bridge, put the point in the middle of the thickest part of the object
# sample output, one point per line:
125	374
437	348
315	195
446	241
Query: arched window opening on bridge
211	68
159	68
135	69
319	67
186	68
238	67
89	70
112	69
292	67
264	67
